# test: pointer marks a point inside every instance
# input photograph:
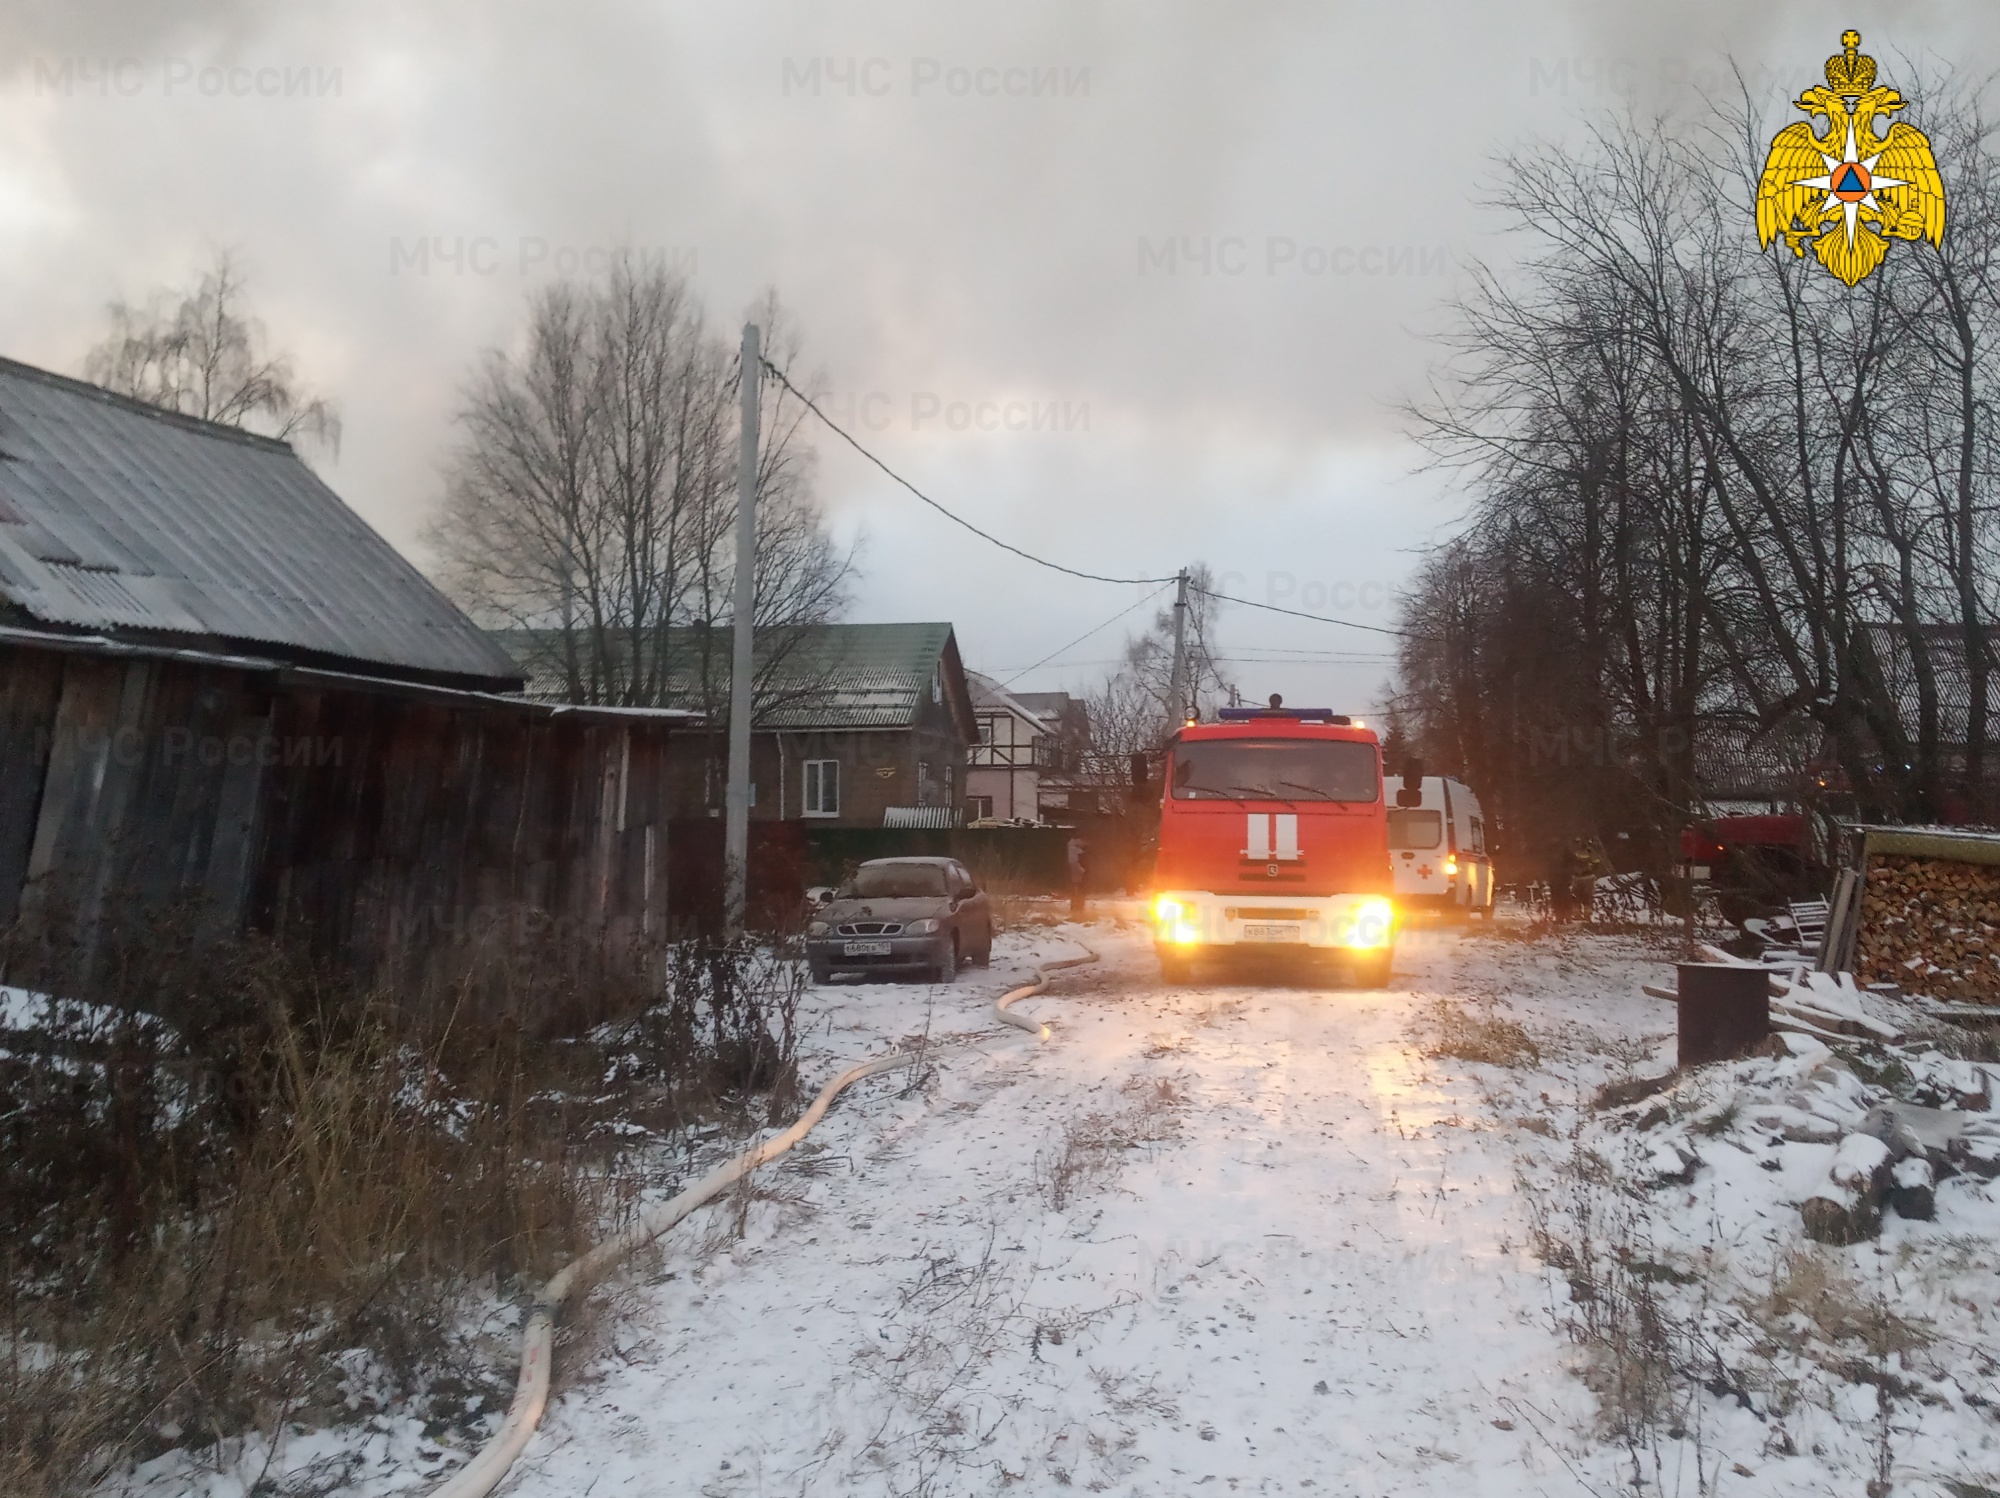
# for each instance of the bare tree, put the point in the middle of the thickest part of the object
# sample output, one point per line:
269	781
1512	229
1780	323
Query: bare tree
200	352
1728	511
591	502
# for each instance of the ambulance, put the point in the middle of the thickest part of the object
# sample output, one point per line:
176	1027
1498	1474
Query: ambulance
1437	846
1274	842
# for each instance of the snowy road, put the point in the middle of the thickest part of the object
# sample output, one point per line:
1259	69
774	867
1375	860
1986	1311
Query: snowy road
1228	1237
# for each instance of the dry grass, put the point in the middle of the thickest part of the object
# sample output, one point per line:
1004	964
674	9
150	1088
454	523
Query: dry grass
1642	1319
1445	1028
225	1165
1216	1011
1662	1334
1815	1300
1091	1148
1025	908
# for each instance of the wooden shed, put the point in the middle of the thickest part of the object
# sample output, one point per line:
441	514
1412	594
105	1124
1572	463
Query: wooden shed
220	688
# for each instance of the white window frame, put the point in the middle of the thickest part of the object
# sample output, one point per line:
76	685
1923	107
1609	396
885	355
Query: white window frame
813	777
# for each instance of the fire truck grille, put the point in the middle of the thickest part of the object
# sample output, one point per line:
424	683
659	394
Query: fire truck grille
1262	914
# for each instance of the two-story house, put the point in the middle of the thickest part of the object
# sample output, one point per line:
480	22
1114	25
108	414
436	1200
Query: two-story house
1016	746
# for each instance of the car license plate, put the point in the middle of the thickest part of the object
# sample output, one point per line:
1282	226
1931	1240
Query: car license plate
865	949
1272	933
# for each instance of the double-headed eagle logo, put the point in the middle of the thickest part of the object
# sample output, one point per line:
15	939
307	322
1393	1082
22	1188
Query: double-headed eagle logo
1850	191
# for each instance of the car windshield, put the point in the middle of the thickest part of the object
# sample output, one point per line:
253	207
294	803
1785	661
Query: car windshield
1274	770
1415	829
894	881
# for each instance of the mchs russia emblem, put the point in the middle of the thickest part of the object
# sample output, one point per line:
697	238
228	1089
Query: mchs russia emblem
1851	190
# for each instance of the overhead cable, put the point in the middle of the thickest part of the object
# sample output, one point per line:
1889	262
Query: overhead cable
956	519
1272	608
1144	599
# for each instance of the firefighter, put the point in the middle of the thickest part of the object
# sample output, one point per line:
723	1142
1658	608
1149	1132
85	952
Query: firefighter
1581	866
1078	867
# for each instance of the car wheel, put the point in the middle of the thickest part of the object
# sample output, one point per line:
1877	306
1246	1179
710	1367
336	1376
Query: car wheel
822	970
1372	972
947	967
1175	969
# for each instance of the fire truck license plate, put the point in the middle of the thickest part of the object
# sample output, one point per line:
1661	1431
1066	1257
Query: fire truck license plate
865	949
1272	933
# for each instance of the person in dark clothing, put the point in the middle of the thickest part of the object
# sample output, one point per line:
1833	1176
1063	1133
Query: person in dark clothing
1581	866
1078	867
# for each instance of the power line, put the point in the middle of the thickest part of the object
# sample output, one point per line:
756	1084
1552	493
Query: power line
841	432
1284	653
1096	577
1272	608
1148	598
1221	660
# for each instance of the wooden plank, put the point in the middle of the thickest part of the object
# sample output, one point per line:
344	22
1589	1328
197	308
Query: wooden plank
1836	947
226	875
80	828
30	688
1958	847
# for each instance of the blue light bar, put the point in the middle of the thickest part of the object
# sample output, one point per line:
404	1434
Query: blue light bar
1314	714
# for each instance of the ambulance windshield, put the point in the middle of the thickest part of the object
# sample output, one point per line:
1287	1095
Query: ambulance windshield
1274	770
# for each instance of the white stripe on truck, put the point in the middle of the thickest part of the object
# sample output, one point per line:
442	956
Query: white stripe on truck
1258	834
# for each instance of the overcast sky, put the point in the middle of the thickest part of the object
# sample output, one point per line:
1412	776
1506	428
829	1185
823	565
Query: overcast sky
969	209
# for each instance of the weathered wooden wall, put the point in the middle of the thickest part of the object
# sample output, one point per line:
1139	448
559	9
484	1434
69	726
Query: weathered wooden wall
366	822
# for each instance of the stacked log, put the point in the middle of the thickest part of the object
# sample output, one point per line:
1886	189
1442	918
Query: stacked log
1931	925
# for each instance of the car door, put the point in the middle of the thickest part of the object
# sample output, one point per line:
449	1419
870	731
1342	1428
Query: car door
975	913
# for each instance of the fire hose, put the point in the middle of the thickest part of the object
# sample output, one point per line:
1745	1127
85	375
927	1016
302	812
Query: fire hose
483	1473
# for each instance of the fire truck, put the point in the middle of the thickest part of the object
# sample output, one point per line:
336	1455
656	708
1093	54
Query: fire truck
1274	842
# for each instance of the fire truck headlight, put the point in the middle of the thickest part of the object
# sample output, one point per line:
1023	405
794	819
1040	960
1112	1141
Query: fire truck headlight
1177	923
1371	923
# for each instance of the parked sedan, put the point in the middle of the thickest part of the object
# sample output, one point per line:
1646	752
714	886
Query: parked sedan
914	916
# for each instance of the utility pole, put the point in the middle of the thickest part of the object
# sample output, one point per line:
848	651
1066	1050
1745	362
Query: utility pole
1177	690
736	800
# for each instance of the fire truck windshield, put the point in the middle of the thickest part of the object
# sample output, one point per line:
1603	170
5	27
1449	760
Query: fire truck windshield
1274	770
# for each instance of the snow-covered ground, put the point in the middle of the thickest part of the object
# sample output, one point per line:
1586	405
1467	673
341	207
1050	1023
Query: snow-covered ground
1260	1239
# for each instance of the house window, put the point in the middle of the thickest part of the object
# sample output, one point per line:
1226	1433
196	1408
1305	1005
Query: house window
978	808
822	798
923	782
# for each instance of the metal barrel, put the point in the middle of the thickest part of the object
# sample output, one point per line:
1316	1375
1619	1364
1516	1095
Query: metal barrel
1725	1011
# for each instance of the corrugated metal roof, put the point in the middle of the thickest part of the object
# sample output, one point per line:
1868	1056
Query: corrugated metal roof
1950	672
812	677
119	517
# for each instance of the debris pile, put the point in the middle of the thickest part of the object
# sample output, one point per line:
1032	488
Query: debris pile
1858	1115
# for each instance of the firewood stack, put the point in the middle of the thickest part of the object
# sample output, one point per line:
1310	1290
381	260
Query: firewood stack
1931	925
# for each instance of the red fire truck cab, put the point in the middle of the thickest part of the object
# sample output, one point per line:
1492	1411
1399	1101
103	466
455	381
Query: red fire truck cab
1274	840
